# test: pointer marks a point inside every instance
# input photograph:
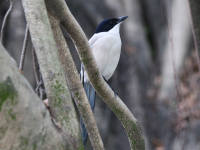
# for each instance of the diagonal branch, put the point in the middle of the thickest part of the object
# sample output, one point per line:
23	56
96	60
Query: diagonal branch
75	85
35	72
21	65
195	14
34	65
60	101
129	122
5	19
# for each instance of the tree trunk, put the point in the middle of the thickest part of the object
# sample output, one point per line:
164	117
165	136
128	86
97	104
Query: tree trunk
25	122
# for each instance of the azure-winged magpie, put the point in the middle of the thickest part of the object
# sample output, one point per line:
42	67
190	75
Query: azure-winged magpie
106	48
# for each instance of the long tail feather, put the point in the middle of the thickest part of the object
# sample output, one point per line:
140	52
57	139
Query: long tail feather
91	94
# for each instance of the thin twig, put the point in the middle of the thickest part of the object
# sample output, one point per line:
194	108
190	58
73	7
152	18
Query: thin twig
41	89
170	36
36	74
38	85
169	33
5	19
194	37
34	65
21	65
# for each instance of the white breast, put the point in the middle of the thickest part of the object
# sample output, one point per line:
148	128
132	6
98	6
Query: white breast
106	48
113	55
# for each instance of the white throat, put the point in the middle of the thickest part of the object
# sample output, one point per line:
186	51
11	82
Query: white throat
115	29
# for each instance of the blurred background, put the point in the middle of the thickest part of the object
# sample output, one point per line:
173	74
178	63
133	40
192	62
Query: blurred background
157	76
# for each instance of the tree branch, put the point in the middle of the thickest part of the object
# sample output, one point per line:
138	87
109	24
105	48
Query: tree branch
34	65
60	101
129	122
5	19
195	14
35	72
21	65
75	85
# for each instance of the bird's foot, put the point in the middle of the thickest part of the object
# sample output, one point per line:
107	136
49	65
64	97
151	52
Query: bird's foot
115	92
105	79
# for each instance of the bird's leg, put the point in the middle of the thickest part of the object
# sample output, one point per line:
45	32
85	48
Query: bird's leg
115	92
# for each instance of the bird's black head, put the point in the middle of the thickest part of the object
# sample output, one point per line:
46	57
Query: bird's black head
108	24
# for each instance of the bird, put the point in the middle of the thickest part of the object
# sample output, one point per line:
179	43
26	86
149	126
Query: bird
106	48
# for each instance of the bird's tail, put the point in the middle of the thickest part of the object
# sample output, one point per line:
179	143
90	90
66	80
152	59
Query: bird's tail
91	94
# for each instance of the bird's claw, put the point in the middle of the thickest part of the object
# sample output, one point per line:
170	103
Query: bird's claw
115	92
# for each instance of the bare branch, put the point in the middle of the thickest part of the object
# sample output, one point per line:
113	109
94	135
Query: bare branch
35	72
194	13
38	86
75	85
21	65
5	19
58	95
34	65
129	122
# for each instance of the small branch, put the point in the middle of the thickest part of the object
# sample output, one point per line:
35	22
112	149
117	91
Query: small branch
36	74
75	85
42	90
34	65
38	85
5	19
194	7
21	65
195	43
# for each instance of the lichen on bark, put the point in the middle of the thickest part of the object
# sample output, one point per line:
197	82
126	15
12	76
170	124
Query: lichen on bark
7	92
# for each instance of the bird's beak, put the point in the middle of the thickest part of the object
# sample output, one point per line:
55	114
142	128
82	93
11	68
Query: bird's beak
120	19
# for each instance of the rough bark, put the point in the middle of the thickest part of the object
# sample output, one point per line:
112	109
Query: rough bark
129	122
25	122
75	85
60	101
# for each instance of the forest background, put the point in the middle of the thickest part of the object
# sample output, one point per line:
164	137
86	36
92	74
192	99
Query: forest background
157	76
